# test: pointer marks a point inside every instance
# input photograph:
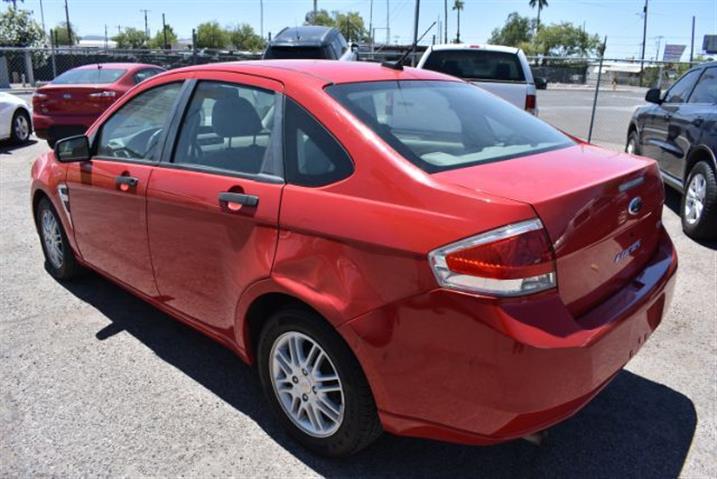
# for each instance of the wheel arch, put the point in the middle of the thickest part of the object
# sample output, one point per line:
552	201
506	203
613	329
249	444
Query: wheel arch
699	153
27	112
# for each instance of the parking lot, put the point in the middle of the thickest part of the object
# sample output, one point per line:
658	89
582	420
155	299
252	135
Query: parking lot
97	383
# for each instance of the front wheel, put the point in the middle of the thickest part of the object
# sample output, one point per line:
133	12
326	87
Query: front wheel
59	258
633	144
315	384
21	128
699	203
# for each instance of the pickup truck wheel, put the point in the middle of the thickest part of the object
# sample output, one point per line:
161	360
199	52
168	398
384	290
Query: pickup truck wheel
59	258
315	385
699	203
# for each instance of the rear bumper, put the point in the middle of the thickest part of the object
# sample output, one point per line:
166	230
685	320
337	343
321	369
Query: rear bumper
450	366
60	126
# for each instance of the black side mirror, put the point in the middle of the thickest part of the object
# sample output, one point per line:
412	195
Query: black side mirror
540	83
74	148
354	47
654	95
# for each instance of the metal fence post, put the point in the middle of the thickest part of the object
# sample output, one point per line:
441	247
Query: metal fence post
52	54
4	73
29	73
597	90
194	46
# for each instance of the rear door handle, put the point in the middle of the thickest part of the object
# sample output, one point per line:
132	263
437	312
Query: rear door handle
238	199
130	181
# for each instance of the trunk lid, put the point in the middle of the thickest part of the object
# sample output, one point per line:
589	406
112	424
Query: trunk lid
582	194
74	100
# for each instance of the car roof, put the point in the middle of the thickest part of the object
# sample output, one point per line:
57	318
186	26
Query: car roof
475	46
306	35
320	72
125	66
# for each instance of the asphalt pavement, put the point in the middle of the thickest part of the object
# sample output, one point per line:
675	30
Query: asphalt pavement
94	382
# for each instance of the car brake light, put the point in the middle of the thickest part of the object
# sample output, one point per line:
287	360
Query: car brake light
510	261
103	94
531	103
37	98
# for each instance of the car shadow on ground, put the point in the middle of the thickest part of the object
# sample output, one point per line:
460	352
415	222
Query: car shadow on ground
7	147
635	427
673	200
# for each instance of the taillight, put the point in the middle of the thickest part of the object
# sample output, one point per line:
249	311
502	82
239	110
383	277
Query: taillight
531	103
37	98
103	94
510	261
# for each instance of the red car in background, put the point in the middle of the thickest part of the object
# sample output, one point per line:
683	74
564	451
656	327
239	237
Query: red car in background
397	250
75	99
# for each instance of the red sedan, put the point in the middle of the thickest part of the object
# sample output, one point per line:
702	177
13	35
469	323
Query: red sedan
397	250
75	99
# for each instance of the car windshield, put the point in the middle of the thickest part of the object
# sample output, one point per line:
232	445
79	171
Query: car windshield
476	64
89	76
441	125
293	53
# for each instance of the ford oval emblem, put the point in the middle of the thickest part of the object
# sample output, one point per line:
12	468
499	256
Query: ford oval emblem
635	206
66	96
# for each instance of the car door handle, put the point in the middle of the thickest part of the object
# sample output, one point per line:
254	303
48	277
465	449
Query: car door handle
124	180
238	199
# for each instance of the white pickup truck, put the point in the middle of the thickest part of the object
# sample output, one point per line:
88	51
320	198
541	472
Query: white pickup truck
503	71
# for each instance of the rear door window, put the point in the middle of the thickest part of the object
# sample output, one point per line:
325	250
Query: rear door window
475	64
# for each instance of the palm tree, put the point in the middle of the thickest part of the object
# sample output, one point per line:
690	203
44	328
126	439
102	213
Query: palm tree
540	4
458	6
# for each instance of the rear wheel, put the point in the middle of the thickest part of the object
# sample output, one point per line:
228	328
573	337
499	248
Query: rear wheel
59	258
699	203
20	127
315	384
633	143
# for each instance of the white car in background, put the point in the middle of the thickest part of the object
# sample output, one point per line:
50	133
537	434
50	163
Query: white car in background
503	71
15	122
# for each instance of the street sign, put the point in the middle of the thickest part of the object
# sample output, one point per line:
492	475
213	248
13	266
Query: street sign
709	44
673	53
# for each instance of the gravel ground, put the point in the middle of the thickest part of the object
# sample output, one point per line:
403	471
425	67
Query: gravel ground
94	382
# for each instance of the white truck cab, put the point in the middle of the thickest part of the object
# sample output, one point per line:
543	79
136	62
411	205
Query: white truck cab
503	71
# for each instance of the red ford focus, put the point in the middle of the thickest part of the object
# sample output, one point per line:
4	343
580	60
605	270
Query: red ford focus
395	249
72	102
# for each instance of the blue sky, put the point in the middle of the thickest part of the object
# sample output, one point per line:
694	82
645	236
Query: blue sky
620	20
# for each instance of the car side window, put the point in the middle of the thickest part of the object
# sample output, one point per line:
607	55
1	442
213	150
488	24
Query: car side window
142	75
313	157
680	91
134	130
228	127
706	89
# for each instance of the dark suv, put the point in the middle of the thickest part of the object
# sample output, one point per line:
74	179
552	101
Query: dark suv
679	130
311	42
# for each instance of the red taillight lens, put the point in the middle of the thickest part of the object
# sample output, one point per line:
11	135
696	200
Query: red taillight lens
531	103
37	99
509	261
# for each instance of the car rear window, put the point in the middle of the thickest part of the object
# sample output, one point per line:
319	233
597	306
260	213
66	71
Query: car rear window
476	64
89	76
442	125
292	53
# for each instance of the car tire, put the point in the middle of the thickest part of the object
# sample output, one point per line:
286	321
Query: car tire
291	385
60	260
21	127
633	143
699	203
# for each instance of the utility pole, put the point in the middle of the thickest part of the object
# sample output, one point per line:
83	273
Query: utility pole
370	23
42	17
692	45
146	25
388	24
261	18
315	12
164	32
69	27
644	41
445	21
106	42
119	29
659	42
415	33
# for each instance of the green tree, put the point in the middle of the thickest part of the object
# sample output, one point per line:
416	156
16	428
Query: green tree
131	38
243	37
211	35
516	31
541	4
322	18
62	34
18	29
565	39
458	6
351	26
158	40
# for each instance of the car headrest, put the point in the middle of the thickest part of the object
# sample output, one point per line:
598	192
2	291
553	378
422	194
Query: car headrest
235	116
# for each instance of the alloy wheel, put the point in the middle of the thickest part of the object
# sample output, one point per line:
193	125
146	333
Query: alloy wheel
52	237
21	127
307	384
695	198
